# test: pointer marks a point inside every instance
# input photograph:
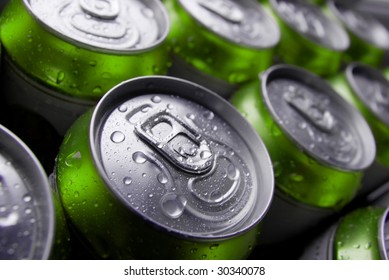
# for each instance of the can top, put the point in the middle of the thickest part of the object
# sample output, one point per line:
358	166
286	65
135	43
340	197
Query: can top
384	235
310	21
187	167
317	119
371	87
108	25
26	209
242	22
360	23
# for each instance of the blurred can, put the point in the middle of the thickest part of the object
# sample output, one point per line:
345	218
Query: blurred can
369	38
309	38
61	56
220	44
165	169
319	144
31	227
362	234
368	90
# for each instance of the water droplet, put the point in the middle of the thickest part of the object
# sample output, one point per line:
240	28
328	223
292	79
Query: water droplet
172	205
97	90
93	63
117	137
10	220
123	108
162	178
232	172
190	116
277	166
209	115
60	77
156	99
205	154
27	198
127	181
296	177
214	246
74	159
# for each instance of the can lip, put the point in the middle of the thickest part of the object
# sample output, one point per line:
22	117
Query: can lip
334	8
270	21
343	38
308	78
33	172
161	38
358	67
193	92
383	234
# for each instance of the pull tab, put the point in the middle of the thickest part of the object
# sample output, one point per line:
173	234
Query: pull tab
225	9
104	9
313	110
178	142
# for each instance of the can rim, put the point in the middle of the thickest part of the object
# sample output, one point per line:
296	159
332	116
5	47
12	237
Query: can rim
193	92
268	16
333	8
307	77
346	38
350	70
381	234
83	45
35	172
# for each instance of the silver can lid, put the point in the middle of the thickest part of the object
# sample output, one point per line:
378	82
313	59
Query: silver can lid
317	119
111	25
26	206
360	23
311	22
242	22
384	235
371	87
181	157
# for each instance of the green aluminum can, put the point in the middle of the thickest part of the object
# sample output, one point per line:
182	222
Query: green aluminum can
32	222
369	38
319	144
366	88
164	169
62	56
220	44
309	38
362	234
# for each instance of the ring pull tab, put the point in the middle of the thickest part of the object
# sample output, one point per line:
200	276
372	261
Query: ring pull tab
179	143
225	9
104	9
312	109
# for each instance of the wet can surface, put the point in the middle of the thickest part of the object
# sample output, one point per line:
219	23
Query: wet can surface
67	54
319	144
310	38
220	44
362	234
368	90
369	38
165	169
31	227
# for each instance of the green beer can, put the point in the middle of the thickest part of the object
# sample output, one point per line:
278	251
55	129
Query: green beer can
164	169
220	44
369	38
309	38
368	90
61	56
32	222
319	145
362	234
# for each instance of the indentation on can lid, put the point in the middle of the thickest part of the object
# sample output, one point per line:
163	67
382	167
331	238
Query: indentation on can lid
310	21
242	22
108	24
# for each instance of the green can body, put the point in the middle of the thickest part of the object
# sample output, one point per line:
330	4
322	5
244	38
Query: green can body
213	55
63	64
114	230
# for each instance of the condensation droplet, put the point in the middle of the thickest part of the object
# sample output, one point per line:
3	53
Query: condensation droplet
123	108
127	181
209	115
117	137
156	99
172	205
162	178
